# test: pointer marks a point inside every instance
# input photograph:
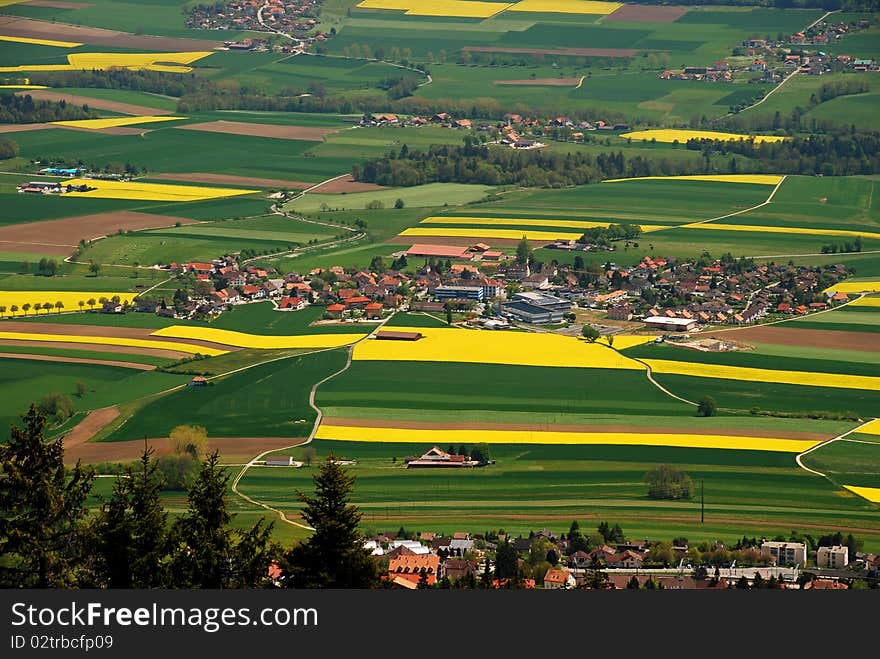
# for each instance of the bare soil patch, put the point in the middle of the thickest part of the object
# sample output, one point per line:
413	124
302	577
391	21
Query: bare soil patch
809	338
578	52
347	185
27	27
99	103
62	236
306	133
77	360
98	347
20	128
56	4
99	330
543	82
232	449
86	429
230	179
646	14
536	427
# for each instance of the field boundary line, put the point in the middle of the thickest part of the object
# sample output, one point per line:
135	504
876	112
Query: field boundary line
320	415
826	443
651	379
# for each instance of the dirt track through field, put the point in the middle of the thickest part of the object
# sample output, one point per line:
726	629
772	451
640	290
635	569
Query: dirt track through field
77	360
14	26
481	425
94	103
232	449
277	131
346	185
543	82
20	128
577	52
230	179
645	14
56	4
62	236
101	330
96	347
86	429
808	338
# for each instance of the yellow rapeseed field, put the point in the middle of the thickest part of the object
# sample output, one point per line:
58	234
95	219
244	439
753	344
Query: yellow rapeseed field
112	341
671	135
243	340
521	222
165	62
113	122
23	87
501	234
866	302
869	286
441	344
41	42
872	494
150	191
803	378
870	428
70	299
463	436
760	179
712	226
456	8
566	6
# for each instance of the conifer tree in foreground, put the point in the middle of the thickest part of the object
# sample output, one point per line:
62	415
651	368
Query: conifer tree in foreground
42	510
334	555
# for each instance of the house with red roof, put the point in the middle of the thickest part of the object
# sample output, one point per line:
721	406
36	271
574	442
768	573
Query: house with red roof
556	579
291	304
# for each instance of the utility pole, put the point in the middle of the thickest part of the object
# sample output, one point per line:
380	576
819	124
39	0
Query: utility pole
702	503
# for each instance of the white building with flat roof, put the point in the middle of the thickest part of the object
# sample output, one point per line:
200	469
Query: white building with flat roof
785	553
832	557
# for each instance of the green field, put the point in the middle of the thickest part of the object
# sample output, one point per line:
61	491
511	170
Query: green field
761	359
432	194
24	381
850	461
550	486
269	400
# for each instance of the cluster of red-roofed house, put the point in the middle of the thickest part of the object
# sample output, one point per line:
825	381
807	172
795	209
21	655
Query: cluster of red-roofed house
286	16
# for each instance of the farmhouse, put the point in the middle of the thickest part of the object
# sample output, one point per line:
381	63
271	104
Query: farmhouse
280	461
437	457
671	324
439	251
390	335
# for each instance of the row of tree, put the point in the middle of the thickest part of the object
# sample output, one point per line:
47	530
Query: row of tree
25	110
842	154
49	538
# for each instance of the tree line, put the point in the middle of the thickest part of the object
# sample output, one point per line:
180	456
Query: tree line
25	110
50	537
829	155
199	95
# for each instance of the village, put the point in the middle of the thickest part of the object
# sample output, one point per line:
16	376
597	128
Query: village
478	286
773	59
299	17
514	130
